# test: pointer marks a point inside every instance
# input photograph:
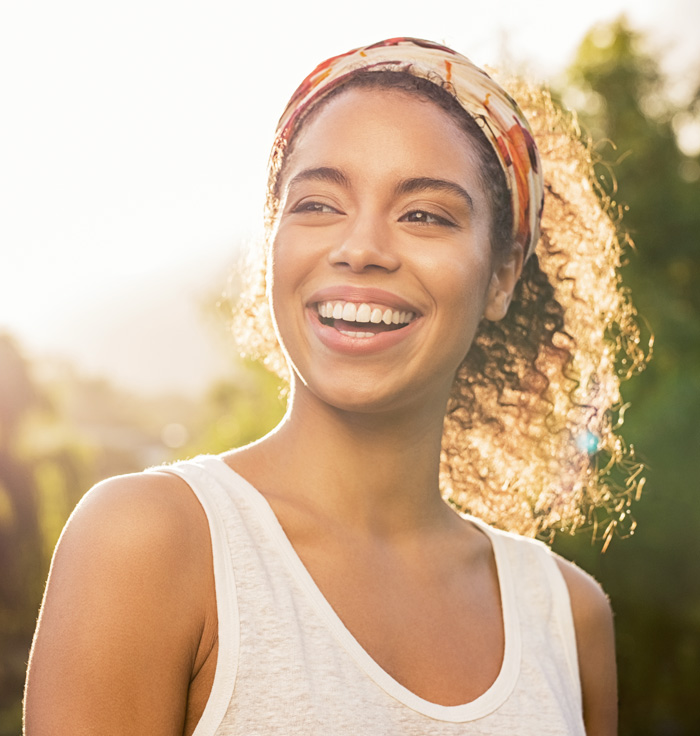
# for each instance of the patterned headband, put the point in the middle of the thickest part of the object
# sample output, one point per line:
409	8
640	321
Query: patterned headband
501	119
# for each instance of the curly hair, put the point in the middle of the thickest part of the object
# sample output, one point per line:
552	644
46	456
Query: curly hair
530	439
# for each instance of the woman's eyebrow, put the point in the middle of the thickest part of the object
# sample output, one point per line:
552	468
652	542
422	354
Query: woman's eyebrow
320	173
423	183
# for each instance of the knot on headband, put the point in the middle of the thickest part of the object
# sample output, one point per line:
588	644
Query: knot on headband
502	121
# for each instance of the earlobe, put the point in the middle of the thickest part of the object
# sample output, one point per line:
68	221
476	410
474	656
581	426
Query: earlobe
497	305
503	281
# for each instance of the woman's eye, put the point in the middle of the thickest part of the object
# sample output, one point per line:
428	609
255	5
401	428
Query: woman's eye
319	207
426	218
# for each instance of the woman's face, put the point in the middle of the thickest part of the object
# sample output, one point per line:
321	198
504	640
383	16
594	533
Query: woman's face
381	266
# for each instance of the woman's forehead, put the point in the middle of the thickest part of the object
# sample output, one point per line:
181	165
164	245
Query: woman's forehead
385	130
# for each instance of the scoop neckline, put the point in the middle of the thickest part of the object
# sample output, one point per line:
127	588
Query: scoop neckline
486	703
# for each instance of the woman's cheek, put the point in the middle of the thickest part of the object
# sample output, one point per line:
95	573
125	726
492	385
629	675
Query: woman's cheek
287	269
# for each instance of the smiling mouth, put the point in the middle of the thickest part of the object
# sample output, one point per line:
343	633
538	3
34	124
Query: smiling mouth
362	320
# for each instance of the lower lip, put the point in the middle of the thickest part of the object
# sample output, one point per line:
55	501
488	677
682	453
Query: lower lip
340	343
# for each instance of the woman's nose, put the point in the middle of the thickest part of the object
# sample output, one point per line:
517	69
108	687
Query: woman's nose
366	244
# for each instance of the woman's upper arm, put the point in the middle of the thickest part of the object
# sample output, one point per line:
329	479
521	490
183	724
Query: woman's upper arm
595	641
123	613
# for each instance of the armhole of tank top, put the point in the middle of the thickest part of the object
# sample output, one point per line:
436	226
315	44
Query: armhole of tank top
226	602
565	619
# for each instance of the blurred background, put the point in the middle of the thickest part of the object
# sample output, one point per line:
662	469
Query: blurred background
132	166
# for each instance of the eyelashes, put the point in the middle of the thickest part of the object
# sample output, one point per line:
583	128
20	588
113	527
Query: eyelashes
314	207
425	217
421	217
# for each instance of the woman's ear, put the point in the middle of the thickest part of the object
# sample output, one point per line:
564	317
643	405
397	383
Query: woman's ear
503	281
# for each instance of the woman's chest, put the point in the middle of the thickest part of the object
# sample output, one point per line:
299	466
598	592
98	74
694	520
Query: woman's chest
436	629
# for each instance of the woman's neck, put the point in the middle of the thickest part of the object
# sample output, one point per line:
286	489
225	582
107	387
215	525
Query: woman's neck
376	471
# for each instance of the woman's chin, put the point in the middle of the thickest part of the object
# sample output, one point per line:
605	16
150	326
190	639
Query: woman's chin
364	394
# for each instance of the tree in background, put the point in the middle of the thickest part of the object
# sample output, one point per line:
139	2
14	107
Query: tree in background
22	567
58	436
238	411
652	577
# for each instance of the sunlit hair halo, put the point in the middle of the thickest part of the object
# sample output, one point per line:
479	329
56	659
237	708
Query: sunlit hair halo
529	441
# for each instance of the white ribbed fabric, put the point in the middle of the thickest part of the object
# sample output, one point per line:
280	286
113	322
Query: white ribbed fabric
287	665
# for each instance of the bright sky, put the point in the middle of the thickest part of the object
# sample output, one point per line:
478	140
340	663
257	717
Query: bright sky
135	136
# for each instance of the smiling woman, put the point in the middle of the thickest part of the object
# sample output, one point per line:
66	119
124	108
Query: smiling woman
434	327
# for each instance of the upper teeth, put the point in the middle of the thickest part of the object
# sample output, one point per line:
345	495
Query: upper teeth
350	312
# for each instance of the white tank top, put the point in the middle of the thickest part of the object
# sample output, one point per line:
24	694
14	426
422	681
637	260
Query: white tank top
287	665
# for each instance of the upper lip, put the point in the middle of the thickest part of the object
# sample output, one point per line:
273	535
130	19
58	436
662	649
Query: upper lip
360	295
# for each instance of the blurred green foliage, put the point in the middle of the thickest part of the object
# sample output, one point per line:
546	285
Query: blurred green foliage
60	433
239	410
653	578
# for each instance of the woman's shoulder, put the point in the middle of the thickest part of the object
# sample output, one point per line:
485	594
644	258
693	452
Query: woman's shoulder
140	538
590	607
153	511
588	599
589	603
129	598
140	541
595	644
593	629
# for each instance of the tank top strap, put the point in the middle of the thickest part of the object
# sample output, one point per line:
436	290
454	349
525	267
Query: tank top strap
543	597
200	476
563	615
